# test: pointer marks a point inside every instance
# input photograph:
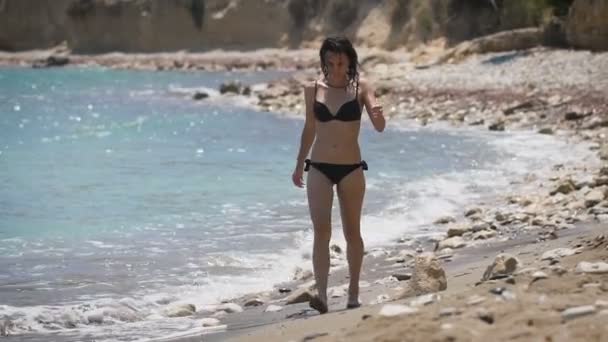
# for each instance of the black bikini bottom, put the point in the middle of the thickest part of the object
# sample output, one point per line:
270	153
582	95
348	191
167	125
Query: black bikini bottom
335	172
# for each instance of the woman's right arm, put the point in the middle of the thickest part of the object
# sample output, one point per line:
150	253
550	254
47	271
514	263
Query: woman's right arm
307	138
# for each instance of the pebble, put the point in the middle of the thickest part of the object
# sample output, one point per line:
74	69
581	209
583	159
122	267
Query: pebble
592	267
578	311
390	310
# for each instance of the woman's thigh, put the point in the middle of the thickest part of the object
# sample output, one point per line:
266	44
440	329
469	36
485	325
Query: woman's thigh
351	191
320	199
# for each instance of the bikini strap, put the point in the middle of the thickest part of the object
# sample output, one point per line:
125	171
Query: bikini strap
357	90
307	167
363	165
315	96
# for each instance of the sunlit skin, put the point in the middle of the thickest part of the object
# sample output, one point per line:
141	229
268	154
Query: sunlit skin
335	142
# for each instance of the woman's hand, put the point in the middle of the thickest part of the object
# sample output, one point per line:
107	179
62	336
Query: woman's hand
298	176
377	111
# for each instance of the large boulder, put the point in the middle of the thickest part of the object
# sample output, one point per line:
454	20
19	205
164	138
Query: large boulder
587	25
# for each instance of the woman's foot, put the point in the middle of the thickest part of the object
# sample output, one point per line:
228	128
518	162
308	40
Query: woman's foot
318	304
353	304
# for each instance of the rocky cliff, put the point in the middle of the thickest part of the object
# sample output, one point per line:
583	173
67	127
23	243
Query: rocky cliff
96	26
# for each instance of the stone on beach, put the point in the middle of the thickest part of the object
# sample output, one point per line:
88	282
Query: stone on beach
428	276
592	267
210	322
254	302
458	230
390	310
578	311
230	308
181	310
299	296
557	253
452	242
503	265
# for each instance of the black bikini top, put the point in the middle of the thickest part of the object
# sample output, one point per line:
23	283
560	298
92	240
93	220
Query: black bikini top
349	111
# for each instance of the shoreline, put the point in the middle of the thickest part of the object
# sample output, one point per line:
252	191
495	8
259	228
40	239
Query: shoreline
535	213
557	110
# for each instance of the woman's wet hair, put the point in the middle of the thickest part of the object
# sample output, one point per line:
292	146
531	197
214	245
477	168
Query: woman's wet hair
340	45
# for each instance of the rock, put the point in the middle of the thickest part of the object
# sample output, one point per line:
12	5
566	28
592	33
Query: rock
503	265
445	220
336	249
557	253
390	310
472	211
199	95
578	311
592	267
234	87
565	187
601	304
299	296
498	126
500	217
546	130
485	315
596	122
273	308
594	197
484	234
600	181
447	312
181	310
603	152
475	299
519	107
428	276
586	26
284	290
569	116
402	276
230	308
452	242
498	290
458	230
51	61
539	275
95	317
210	322
254	302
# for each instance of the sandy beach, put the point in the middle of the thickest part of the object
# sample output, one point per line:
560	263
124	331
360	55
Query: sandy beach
551	285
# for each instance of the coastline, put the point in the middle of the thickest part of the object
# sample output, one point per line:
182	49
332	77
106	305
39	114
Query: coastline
428	97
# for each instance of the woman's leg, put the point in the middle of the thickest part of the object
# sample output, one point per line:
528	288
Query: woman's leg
320	199
351	191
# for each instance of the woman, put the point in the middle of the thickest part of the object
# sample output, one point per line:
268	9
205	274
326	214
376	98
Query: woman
333	120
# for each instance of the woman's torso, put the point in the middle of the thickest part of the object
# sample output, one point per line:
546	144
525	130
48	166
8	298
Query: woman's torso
338	122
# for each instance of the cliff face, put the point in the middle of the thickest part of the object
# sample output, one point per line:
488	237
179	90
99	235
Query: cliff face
587	25
95	26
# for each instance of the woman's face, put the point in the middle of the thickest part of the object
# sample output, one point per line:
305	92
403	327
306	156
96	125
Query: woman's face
337	64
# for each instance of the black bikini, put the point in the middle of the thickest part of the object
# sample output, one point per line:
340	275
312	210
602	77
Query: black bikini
349	111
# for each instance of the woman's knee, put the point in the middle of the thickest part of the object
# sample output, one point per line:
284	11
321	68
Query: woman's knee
322	235
353	237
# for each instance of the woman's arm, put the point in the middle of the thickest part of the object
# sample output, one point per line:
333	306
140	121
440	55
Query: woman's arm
307	137
373	108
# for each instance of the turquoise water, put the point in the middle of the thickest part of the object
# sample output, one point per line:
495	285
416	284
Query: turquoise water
115	184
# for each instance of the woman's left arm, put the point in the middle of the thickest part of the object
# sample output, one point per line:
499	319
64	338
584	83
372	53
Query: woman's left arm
373	108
